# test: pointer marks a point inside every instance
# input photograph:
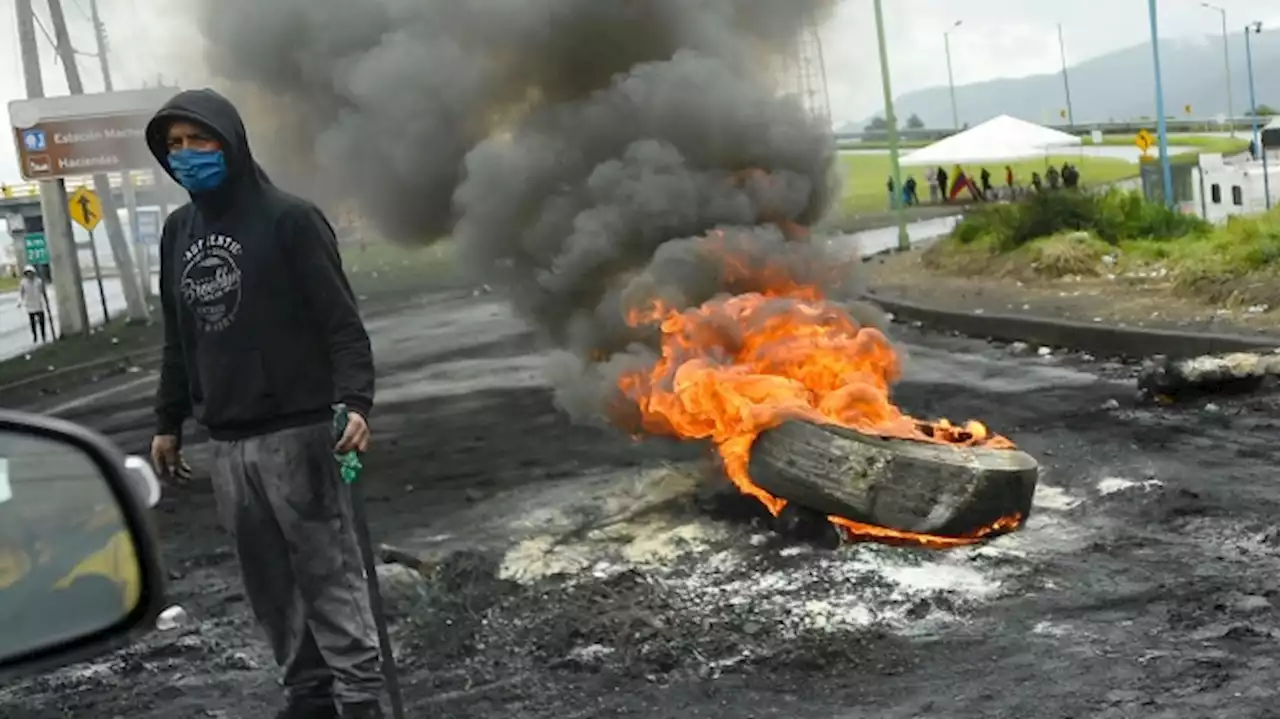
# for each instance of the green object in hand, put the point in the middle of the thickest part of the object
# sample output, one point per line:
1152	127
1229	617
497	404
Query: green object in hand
349	465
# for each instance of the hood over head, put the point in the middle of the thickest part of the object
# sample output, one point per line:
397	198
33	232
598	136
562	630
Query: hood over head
211	110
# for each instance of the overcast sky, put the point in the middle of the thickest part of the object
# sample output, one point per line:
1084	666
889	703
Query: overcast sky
151	39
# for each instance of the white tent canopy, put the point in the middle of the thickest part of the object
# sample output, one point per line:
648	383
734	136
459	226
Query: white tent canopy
998	139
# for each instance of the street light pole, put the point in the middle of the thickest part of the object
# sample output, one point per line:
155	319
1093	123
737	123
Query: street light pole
1066	83
900	210
1226	58
1256	28
1162	125
951	79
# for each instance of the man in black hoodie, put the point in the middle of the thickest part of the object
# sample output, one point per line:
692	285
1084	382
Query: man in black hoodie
262	341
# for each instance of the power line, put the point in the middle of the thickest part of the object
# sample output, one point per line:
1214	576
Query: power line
54	43
81	10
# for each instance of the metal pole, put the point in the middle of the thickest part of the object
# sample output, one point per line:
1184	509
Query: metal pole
73	315
97	272
1066	83
1162	123
389	671
1253	104
1226	60
904	239
100	35
951	79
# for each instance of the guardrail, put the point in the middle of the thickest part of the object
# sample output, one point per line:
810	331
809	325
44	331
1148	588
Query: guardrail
141	179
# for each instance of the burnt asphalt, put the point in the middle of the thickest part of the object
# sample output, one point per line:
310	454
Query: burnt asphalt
1143	585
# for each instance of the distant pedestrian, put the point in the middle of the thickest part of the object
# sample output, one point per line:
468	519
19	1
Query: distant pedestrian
985	177
31	297
942	183
933	188
1008	176
1070	176
1036	182
1052	177
893	199
910	193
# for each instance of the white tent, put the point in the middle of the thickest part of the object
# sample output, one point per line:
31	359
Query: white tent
998	139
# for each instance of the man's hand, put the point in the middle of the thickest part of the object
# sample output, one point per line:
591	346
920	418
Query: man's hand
165	457
356	435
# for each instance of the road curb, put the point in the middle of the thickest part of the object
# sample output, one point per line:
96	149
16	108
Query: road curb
1098	339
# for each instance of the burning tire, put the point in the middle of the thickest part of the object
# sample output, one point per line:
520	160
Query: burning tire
912	487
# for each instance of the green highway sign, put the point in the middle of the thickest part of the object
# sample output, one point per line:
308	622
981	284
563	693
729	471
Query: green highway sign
37	248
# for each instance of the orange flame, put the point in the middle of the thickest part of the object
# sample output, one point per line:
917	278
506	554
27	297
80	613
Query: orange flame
740	365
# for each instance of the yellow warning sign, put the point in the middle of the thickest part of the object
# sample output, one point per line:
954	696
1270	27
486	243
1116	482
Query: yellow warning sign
85	208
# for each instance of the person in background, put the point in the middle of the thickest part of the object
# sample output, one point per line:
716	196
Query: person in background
1070	176
1052	176
1008	176
910	195
942	183
893	200
1036	182
985	178
933	188
31	297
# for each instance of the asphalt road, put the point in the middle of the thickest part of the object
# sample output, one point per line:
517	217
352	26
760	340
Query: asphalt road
15	330
1143	585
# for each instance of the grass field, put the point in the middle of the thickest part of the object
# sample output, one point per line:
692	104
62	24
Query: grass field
1203	143
865	176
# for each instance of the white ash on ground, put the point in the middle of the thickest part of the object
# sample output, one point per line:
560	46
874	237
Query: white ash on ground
652	584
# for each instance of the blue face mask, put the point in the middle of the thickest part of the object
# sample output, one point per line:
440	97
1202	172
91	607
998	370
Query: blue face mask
199	170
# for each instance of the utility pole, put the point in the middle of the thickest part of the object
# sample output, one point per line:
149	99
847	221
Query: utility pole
127	177
1066	83
134	304
1256	29
1161	122
904	239
951	79
1226	57
64	259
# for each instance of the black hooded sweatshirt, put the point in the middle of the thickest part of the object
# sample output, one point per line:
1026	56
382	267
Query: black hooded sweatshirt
261	329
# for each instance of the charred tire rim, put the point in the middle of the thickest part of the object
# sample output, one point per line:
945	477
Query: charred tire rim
919	487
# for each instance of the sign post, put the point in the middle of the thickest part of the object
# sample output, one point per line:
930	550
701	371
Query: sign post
85	209
77	136
146	235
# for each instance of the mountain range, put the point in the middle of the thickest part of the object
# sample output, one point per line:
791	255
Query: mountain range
1118	86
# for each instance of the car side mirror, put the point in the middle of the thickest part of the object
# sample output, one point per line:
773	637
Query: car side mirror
79	563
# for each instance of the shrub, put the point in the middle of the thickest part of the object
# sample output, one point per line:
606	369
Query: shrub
1112	216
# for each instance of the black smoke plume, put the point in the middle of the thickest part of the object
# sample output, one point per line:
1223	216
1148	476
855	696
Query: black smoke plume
577	151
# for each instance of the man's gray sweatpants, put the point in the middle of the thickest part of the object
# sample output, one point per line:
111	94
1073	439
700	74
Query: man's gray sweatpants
290	515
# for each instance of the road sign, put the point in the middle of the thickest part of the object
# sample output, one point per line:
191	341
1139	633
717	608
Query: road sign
148	228
1144	140
84	134
37	248
85	208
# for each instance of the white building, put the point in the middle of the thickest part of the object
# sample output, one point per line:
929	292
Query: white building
1235	188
